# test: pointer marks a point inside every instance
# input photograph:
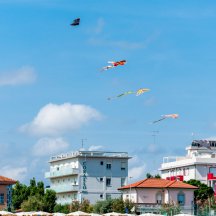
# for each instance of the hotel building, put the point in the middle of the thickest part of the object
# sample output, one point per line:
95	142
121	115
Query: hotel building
92	175
199	164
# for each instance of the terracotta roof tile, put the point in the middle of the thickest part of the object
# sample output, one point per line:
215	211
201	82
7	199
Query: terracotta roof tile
158	183
5	180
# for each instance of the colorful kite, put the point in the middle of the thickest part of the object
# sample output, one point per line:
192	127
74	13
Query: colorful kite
138	92
75	22
114	64
174	116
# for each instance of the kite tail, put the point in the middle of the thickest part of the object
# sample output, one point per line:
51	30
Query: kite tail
158	120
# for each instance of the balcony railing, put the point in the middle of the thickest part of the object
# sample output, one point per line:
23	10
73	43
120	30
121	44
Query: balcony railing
64	188
61	172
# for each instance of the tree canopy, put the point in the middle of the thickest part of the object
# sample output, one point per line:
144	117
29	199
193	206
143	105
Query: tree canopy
33	197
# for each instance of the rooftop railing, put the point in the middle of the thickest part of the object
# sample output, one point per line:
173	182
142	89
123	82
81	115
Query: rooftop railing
89	154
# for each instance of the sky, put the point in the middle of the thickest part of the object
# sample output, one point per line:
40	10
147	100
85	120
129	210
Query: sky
53	95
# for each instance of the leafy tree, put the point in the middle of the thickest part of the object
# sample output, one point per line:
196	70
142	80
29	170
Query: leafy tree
34	203
62	208
128	205
170	209
118	205
102	207
32	197
33	187
149	175
40	188
157	176
74	206
85	206
49	200
20	193
203	192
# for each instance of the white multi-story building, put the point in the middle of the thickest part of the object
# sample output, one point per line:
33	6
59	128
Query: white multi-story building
92	175
199	164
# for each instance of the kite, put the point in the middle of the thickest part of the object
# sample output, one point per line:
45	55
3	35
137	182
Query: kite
75	22
174	116
138	92
114	64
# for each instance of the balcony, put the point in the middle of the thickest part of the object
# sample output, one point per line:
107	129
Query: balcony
64	188
211	176
61	172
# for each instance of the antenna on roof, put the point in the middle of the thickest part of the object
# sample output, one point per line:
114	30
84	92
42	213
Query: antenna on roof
154	134
83	143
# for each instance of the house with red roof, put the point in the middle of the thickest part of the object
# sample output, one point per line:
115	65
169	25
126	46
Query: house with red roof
6	192
150	194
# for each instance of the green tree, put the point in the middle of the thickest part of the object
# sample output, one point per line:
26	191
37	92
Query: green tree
118	205
102	207
62	208
148	175
33	187
25	196
157	176
74	206
34	203
203	193
40	188
20	193
128	205
170	209
49	200
85	206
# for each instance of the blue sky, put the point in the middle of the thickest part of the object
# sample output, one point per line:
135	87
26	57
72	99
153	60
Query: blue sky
53	95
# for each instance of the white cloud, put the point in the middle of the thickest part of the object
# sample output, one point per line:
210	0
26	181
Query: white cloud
16	173
95	148
49	146
137	168
24	75
55	119
137	172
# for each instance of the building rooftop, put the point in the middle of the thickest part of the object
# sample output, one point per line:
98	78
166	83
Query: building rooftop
6	181
200	151
159	183
89	154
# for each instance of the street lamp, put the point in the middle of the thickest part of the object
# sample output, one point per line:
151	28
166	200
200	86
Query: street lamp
130	177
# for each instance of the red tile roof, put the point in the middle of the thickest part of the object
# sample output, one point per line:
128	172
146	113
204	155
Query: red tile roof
159	183
6	181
